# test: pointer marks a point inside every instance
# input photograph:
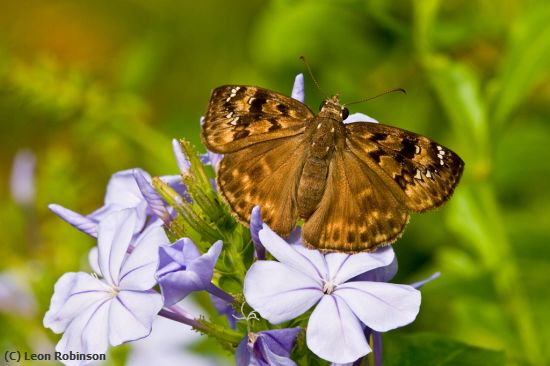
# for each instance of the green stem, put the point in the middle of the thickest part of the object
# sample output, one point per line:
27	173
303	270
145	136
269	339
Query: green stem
226	336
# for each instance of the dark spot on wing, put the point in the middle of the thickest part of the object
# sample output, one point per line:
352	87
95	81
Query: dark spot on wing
375	155
283	109
336	235
274	124
256	105
241	134
409	148
401	181
377	136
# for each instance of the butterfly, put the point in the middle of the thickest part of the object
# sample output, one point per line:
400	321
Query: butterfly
352	184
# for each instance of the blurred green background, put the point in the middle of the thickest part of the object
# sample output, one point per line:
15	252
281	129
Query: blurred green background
93	87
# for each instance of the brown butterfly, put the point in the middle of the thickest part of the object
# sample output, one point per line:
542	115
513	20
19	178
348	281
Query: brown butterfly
352	184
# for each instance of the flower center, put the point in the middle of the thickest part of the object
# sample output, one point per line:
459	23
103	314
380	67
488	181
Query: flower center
328	287
252	338
114	291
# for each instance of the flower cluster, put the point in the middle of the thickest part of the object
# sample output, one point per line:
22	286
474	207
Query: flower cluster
161	239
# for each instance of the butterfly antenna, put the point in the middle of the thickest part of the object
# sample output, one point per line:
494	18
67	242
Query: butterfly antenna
313	77
379	95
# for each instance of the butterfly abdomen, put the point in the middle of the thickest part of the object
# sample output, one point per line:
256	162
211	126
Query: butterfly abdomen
312	185
320	138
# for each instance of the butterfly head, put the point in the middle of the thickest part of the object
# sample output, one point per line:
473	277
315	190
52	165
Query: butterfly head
332	108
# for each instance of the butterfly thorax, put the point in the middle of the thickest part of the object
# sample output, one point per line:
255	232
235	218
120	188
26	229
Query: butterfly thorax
322	136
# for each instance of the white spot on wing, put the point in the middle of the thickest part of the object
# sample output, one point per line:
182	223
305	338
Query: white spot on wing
418	175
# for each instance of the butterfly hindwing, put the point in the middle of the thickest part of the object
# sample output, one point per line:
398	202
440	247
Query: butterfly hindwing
239	116
425	171
357	211
265	174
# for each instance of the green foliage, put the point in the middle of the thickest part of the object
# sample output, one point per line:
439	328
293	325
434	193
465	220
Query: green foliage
430	349
96	87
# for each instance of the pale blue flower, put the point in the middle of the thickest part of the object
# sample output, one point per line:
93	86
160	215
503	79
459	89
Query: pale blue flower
267	348
183	269
256	224
124	191
16	295
22	182
303	278
120	306
298	88
183	162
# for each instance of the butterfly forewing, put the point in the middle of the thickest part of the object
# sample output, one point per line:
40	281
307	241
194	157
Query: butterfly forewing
425	171
265	174
358	211
239	116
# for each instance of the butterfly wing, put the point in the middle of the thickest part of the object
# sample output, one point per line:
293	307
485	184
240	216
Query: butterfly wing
358	211
239	116
265	174
423	170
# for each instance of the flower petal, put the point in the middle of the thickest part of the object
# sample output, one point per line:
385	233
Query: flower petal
131	315
183	163
279	292
204	265
225	308
334	333
380	274
122	189
155	202
298	88
342	267
122	193
138	271
278	341
180	277
87	333
359	117
93	260
381	306
82	223
176	285
310	262
114	234
73	293
270	356
256	225
176	183
181	253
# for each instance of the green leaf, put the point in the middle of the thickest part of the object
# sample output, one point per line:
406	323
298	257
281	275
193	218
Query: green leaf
526	59
458	89
436	350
